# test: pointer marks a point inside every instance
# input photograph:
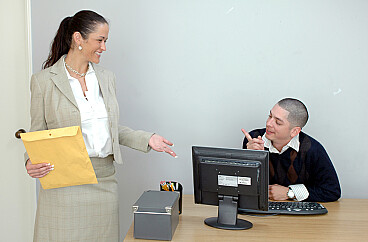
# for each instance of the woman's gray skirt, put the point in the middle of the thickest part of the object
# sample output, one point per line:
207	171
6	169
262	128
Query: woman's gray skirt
81	213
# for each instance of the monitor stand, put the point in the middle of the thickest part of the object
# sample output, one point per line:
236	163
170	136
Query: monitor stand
228	215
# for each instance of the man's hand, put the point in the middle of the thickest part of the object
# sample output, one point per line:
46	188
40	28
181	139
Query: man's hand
38	170
253	143
277	192
160	144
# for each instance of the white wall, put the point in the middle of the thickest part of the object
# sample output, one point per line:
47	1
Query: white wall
198	71
18	198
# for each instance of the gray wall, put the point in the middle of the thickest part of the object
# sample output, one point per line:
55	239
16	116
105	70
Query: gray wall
197	72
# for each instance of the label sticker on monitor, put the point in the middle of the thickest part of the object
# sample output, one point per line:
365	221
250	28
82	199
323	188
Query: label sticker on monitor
229	181
244	181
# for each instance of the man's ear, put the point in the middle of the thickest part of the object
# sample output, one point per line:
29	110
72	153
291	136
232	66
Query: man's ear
295	131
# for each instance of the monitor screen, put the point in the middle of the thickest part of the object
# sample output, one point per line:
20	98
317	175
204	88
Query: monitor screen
230	179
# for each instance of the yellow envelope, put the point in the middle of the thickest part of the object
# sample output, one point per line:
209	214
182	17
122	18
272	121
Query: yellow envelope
65	149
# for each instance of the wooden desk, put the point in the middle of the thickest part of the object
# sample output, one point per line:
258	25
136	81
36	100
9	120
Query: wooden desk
347	220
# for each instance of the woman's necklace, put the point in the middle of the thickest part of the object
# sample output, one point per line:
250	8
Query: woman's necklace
76	72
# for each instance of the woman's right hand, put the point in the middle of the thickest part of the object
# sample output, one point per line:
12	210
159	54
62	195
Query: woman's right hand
38	170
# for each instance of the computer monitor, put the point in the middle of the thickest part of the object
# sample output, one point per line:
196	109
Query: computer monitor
230	179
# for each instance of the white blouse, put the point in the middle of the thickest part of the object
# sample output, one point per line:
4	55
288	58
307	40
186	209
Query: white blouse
95	123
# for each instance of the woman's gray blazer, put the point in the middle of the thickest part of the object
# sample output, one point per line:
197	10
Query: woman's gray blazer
53	106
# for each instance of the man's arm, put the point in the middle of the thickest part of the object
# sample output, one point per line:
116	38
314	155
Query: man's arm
323	185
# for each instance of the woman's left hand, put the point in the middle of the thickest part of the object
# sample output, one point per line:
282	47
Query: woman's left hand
160	144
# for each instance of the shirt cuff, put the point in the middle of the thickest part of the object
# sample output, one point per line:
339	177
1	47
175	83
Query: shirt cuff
300	191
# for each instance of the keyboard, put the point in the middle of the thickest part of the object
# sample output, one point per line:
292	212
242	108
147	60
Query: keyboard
289	208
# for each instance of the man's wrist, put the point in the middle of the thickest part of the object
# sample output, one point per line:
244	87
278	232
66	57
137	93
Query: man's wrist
300	191
290	194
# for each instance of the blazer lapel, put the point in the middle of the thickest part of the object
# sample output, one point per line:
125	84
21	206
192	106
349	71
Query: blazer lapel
103	83
61	80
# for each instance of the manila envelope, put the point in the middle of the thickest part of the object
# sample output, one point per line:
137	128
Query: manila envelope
65	149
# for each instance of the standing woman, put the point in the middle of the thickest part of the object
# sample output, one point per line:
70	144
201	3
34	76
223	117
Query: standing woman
73	91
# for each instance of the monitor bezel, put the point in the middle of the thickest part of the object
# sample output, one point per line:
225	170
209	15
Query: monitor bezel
261	156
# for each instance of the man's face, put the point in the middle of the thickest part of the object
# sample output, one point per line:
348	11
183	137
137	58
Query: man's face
278	128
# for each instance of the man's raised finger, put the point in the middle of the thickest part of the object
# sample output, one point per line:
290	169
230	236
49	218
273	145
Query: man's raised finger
247	135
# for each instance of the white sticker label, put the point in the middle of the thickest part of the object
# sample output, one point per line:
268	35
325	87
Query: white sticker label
244	181
229	181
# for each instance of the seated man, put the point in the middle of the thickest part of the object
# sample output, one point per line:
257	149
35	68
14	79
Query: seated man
300	168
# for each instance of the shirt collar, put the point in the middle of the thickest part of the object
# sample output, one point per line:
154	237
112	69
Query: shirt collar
90	70
293	143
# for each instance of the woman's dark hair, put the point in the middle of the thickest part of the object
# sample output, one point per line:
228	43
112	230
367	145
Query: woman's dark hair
84	22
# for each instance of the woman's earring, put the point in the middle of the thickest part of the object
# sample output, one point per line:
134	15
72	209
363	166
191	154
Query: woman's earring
80	47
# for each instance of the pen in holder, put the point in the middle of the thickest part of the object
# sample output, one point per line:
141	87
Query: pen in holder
173	187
